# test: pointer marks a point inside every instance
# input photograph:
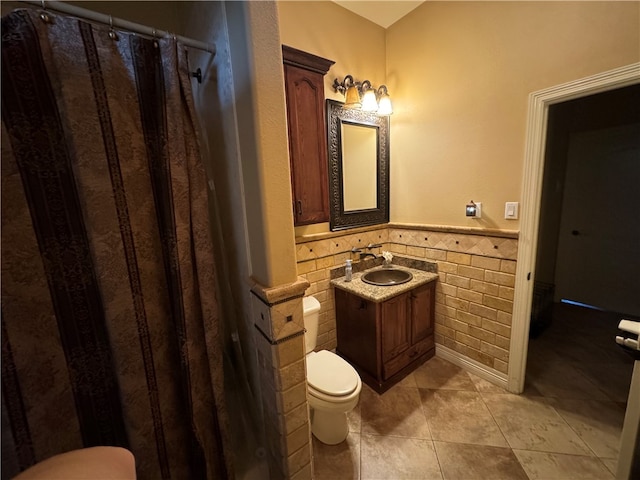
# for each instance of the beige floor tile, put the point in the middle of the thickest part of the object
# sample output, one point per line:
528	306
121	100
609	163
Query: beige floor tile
598	424
562	380
484	386
611	377
337	461
354	420
409	381
461	417
397	458
611	464
460	461
530	390
547	466
397	412
438	373
529	423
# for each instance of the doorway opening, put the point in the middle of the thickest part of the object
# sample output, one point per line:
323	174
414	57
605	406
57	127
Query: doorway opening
586	263
539	106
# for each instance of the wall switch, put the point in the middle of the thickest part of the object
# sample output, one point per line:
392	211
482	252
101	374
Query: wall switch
511	210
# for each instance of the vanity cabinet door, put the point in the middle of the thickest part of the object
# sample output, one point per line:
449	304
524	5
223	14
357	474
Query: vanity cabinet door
385	341
304	89
396	327
356	331
422	312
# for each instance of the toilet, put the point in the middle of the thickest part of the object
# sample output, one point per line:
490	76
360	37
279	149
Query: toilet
333	386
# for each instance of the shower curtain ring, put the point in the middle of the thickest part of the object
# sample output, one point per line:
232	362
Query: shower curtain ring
155	39
44	15
112	33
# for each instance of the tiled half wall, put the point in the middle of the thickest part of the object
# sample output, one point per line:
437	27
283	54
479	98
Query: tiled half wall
474	294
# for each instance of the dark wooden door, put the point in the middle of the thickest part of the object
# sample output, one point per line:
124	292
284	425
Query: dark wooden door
396	327
422	304
356	331
307	145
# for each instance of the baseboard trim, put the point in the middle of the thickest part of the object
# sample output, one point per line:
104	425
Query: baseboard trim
470	365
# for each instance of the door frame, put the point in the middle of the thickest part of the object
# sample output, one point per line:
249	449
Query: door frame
532	182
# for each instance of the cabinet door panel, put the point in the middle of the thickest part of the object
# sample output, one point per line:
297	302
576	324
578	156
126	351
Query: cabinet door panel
396	327
356	331
307	145
422	302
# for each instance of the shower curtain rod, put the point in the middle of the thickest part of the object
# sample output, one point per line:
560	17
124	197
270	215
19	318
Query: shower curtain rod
117	22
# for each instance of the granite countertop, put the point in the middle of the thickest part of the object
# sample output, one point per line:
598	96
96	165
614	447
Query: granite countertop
376	293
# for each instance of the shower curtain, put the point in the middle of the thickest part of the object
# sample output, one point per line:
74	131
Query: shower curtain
110	334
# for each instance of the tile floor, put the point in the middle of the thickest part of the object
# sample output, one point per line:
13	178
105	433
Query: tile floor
442	422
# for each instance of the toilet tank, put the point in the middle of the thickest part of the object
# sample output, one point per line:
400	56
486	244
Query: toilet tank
311	309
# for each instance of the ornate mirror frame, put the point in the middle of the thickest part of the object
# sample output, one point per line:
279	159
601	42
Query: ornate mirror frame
338	218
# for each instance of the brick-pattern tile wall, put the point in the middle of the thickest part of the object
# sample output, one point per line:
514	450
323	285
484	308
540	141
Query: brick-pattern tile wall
474	295
279	342
317	258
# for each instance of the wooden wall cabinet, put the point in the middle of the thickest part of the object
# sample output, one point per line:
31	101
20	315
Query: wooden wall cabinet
386	341
304	86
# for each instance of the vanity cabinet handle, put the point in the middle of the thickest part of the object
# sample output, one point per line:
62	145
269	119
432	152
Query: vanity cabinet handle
299	205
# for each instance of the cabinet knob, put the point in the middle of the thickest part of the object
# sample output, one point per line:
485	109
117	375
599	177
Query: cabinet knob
363	305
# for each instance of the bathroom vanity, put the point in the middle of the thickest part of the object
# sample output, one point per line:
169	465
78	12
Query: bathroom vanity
385	332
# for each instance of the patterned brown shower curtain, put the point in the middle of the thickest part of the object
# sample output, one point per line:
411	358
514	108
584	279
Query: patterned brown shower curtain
110	332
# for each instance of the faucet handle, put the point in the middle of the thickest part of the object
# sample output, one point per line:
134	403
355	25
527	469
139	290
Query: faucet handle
356	250
372	245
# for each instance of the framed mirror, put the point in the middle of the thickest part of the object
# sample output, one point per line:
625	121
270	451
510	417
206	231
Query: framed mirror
358	167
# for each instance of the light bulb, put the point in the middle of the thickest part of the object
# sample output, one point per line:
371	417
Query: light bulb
385	106
369	102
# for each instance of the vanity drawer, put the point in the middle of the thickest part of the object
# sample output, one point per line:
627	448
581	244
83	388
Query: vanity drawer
412	353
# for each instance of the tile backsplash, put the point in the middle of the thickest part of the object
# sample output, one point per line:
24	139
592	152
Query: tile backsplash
474	294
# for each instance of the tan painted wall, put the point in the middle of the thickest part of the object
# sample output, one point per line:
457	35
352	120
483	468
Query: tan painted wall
460	74
259	93
330	31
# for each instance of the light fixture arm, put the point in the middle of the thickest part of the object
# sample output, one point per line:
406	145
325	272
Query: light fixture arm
382	90
342	87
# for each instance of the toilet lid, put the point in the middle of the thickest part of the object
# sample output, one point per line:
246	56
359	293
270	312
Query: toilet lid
330	374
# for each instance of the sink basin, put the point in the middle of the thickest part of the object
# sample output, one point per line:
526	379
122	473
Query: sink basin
387	277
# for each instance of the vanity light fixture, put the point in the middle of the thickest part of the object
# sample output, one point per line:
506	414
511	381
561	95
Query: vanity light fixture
384	102
350	90
363	95
369	101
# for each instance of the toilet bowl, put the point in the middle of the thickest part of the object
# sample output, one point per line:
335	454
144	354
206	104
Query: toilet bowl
333	386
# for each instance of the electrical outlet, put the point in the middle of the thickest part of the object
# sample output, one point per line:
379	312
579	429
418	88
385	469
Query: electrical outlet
511	210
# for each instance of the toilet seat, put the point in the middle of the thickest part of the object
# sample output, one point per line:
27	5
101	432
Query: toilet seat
329	374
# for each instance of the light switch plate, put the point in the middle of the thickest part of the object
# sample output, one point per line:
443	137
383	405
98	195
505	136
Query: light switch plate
511	210
478	210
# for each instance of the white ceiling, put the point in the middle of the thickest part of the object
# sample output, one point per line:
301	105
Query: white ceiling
384	13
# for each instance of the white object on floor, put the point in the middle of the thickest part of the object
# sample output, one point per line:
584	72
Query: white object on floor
333	386
629	458
105	463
